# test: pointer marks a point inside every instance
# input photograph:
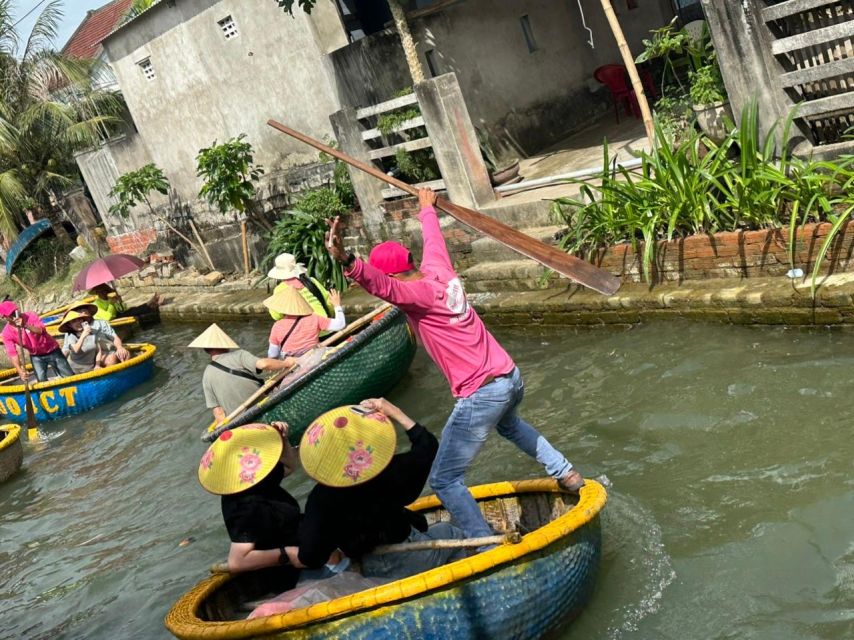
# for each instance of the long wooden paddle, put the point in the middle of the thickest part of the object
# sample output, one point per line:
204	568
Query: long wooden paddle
32	425
579	270
211	435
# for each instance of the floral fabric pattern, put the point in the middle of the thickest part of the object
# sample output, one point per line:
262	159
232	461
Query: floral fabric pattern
207	460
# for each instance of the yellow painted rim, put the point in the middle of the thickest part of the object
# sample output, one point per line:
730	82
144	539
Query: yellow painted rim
64	308
146	351
14	432
590	503
53	327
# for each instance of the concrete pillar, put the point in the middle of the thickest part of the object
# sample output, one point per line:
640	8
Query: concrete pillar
454	141
750	71
368	190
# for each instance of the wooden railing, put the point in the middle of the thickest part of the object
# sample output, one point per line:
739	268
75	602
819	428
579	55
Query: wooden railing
813	41
371	135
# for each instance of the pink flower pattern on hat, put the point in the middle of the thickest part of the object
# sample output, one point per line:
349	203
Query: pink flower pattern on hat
207	460
249	464
314	434
358	460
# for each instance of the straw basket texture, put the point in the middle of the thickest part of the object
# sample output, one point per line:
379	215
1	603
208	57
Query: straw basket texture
368	365
11	451
520	591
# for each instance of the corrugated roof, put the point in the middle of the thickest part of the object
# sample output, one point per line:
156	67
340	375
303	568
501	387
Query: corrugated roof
85	43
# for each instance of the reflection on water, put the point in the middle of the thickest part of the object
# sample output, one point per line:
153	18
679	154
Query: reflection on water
729	449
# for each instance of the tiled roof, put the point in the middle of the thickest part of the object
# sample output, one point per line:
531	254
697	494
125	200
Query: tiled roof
98	24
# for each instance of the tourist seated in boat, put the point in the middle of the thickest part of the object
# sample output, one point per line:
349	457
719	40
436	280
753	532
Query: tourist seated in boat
232	375
111	306
359	501
27	331
294	274
246	466
299	329
88	343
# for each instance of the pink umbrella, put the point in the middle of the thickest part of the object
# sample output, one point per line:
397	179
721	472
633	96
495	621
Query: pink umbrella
106	269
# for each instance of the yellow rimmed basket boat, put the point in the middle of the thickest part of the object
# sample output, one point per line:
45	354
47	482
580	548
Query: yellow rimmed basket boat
11	451
518	591
64	397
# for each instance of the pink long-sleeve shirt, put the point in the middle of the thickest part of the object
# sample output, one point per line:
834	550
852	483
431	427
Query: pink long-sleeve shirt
38	344
439	314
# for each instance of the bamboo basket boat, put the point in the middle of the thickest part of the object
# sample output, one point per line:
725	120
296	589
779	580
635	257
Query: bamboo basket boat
64	397
125	328
368	364
55	315
11	451
518	591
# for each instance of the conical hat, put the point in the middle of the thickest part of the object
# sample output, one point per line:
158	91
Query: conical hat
79	311
240	458
344	447
213	338
289	302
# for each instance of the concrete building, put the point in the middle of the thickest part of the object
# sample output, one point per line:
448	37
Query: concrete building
196	71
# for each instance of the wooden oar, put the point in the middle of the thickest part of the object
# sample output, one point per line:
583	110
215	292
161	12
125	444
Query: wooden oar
453	543
579	270
32	426
210	436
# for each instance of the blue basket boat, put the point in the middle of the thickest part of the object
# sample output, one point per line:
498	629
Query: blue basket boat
520	591
64	397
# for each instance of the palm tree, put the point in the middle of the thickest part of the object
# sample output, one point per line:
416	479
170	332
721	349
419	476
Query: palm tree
48	110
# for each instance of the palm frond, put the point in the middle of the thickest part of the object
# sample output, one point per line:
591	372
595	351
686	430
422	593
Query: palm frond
44	30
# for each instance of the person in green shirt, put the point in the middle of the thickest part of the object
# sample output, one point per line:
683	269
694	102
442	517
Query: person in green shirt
111	306
294	274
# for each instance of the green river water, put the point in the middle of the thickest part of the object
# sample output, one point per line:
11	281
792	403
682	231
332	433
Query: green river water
729	449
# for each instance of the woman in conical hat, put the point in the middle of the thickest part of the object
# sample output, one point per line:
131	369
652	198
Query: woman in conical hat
233	374
362	491
299	328
89	344
294	274
246	466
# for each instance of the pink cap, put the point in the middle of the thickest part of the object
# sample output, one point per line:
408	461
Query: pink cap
8	308
391	257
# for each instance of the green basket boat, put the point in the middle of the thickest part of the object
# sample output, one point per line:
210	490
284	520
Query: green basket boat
512	592
369	363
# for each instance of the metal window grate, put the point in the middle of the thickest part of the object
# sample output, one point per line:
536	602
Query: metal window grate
229	27
147	69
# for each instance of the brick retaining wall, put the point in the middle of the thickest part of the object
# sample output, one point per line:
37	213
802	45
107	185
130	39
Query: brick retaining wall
134	243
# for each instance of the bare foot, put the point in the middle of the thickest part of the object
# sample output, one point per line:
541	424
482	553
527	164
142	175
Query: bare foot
572	481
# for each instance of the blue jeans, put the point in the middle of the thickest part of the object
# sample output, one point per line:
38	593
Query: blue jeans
53	359
493	405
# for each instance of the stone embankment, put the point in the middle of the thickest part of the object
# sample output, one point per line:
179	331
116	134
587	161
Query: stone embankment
771	301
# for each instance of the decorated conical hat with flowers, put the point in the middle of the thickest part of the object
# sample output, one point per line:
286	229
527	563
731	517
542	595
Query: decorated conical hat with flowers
213	338
344	447
240	458
289	302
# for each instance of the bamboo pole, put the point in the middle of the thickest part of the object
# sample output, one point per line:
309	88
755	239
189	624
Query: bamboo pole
629	61
21	284
465	543
202	245
244	243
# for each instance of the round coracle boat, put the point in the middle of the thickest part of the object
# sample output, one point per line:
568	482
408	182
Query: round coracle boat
64	397
55	315
519	591
365	361
11	451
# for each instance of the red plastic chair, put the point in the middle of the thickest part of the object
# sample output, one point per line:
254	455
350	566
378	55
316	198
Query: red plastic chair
613	76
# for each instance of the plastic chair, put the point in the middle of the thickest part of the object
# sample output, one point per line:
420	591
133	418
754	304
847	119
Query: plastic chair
613	76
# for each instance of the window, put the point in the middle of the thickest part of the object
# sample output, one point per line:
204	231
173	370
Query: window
431	63
147	69
528	33
228	26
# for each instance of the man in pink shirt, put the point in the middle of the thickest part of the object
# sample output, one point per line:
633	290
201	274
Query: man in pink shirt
27	330
483	378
